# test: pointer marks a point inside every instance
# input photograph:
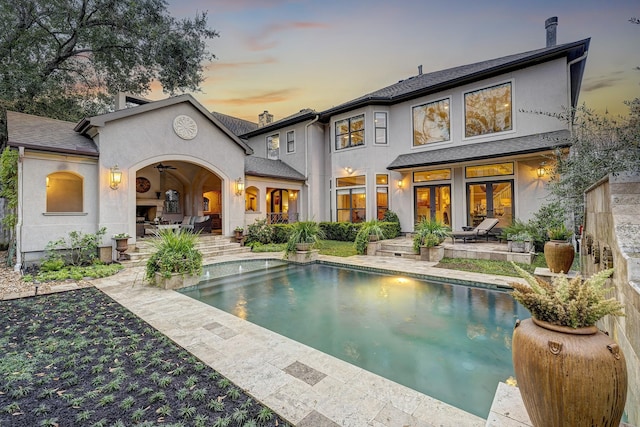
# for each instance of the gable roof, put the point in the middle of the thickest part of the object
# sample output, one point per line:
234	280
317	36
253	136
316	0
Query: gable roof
234	124
258	166
86	125
424	84
479	151
46	134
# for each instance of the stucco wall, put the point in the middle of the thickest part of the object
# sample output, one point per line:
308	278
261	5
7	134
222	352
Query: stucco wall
612	221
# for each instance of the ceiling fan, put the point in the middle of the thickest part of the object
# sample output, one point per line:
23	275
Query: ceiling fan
163	168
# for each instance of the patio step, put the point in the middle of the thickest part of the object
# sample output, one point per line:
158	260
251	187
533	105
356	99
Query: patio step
209	245
398	248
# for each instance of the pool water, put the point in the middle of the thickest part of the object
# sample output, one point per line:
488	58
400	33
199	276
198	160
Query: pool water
450	342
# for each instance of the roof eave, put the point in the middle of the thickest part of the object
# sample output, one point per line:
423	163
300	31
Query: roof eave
280	124
53	149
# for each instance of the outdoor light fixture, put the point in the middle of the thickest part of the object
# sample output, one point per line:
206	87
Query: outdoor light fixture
400	184
239	186
349	170
540	171
115	177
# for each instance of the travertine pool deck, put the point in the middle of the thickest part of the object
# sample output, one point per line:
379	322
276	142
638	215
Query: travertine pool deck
305	386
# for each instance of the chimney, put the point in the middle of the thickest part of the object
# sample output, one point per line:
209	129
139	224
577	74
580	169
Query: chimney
551	25
265	119
420	69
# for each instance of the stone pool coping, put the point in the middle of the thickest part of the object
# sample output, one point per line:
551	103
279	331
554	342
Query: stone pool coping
304	385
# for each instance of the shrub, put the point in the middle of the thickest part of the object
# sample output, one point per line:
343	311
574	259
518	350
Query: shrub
77	249
175	253
340	231
429	232
260	232
303	232
559	233
548	216
281	233
367	229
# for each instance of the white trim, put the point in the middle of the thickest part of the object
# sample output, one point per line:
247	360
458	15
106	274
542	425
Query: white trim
431	101
491	135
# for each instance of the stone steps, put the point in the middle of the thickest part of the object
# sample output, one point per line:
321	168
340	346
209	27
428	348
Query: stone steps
398	248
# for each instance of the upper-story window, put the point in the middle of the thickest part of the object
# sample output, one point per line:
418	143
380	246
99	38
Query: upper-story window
291	142
488	110
380	121
431	122
350	132
273	147
64	192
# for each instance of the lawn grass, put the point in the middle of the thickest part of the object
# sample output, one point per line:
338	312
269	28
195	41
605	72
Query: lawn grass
500	268
336	248
80	358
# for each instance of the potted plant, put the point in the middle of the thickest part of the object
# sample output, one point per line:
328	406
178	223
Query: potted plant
176	261
427	237
559	252
238	231
122	244
304	235
567	370
370	231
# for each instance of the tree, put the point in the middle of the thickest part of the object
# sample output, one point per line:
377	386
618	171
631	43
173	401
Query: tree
599	146
67	58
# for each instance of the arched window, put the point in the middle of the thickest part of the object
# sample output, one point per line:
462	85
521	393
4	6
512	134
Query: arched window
251	199
64	192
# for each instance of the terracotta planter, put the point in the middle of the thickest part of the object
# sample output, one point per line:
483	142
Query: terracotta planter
569	377
559	255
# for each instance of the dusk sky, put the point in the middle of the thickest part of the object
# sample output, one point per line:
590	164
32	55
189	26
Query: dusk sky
286	55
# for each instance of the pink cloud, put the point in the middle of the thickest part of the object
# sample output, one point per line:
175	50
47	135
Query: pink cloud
255	99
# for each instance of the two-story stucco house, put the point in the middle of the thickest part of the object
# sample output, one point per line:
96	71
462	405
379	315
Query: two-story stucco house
458	145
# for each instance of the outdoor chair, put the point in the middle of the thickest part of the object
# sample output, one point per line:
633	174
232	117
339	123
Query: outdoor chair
202	224
481	230
187	223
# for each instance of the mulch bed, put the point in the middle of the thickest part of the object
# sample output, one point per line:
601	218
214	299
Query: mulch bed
80	358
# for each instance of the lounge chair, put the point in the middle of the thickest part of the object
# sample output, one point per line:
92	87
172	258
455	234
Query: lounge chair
481	230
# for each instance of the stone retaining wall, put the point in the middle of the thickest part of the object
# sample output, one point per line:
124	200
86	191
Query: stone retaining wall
611	237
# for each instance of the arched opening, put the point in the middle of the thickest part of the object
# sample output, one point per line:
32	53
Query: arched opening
251	198
64	192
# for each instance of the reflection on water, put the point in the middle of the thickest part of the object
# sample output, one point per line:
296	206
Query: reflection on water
450	342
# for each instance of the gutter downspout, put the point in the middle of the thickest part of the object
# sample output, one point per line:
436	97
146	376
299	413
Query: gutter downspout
306	162
569	64
18	229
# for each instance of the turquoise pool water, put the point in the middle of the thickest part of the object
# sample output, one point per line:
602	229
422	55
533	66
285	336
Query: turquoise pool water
450	342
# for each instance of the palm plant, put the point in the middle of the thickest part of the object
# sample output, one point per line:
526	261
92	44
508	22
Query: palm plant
175	253
429	232
369	229
303	232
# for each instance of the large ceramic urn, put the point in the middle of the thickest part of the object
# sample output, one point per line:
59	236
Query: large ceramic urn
559	255
567	376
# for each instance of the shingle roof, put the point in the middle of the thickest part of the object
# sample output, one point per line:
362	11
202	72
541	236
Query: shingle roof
43	133
436	81
258	166
302	115
234	124
501	148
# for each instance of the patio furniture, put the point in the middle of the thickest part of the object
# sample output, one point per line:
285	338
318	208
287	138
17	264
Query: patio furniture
481	230
202	224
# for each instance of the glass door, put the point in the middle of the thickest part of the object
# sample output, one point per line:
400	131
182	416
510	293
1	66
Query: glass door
433	202
490	200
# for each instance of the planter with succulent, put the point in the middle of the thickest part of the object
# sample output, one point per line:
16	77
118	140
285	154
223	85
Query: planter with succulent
520	242
122	244
176	261
559	252
568	371
427	237
304	236
370	231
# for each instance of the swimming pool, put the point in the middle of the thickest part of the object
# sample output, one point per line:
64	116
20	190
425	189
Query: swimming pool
450	342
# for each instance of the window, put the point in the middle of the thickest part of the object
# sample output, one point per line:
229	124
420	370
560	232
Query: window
380	120
488	110
351	205
431	122
350	132
496	169
382	195
64	192
273	147
433	175
291	143
171	201
350	181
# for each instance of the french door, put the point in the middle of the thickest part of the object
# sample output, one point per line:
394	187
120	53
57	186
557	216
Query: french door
433	202
490	200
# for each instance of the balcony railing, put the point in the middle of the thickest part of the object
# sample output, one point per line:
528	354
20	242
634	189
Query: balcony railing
282	218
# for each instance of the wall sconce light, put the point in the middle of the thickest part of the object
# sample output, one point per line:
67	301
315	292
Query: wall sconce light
239	186
47	180
349	170
115	177
541	170
400	184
